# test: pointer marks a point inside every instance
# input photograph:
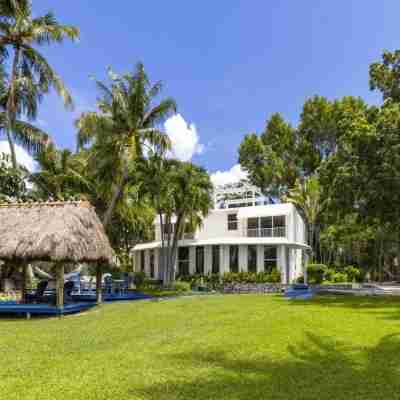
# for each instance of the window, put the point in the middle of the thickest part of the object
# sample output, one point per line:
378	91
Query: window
267	226
232	222
200	260
152	264
168	228
142	261
215	260
183	261
234	258
270	258
252	258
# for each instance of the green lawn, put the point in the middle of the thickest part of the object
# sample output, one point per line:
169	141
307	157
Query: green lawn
208	347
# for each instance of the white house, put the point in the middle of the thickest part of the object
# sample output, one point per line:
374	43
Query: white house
241	233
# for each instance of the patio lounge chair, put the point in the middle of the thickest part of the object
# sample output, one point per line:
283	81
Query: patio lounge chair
37	296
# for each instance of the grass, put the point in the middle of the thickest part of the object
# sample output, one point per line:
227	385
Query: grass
208	347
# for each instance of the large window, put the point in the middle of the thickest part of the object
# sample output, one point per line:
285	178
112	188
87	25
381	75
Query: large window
270	258
200	260
234	258
267	226
152	264
232	222
215	259
252	258
142	260
183	261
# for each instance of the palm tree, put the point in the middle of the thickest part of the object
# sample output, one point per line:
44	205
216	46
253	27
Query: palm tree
31	75
180	193
126	123
60	174
307	197
29	136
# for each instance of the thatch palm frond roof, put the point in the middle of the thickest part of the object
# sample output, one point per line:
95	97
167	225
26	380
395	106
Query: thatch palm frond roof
54	231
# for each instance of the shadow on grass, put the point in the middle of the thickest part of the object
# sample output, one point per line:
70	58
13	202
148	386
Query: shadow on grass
384	306
320	368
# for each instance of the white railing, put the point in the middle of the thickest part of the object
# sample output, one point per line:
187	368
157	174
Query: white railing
278	231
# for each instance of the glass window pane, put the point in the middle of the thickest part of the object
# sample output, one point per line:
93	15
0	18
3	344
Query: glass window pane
252	258
142	261
232	222
266	222
234	258
183	261
152	264
270	253
200	260
215	259
279	220
252	223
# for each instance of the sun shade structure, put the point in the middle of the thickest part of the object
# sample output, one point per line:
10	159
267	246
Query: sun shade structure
59	232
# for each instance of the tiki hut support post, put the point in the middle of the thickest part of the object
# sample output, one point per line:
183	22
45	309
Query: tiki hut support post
60	287
99	276
24	281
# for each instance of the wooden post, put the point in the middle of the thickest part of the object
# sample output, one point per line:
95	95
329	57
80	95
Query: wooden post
60	287
99	276
24	282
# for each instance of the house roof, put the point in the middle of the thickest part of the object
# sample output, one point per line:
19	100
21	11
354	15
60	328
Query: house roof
53	231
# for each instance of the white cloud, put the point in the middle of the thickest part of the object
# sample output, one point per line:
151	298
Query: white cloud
234	175
22	156
184	138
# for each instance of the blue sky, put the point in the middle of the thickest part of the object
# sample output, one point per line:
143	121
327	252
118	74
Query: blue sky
229	64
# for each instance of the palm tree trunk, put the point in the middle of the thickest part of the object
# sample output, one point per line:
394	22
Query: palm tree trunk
117	193
12	107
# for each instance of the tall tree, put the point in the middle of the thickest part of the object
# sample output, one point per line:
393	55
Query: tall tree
61	174
307	197
125	125
31	75
181	195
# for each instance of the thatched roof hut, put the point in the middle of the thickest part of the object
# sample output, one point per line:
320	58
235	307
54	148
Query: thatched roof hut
55	232
60	232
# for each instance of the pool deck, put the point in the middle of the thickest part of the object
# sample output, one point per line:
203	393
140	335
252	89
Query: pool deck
128	296
14	308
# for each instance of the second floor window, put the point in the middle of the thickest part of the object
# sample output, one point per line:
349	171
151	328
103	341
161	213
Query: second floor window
232	222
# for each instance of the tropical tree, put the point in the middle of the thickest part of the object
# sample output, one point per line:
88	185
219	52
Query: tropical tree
122	131
181	195
307	197
60	174
31	75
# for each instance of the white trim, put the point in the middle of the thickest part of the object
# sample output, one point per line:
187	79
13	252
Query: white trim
228	241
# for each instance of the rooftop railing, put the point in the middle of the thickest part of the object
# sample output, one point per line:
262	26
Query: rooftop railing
278	231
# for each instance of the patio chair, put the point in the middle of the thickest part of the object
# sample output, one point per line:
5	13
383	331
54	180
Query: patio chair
37	296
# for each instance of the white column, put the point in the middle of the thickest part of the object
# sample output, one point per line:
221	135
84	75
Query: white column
207	260
225	259
156	263
243	261
260	258
192	260
221	260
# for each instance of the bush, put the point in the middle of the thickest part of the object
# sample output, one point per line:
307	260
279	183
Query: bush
180	286
316	273
139	279
340	277
354	274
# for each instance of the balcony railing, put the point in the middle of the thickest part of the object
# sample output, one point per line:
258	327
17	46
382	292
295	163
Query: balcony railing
278	231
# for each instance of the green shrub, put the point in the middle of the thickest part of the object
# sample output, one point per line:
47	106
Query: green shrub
316	273
180	286
340	277
139	278
353	273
